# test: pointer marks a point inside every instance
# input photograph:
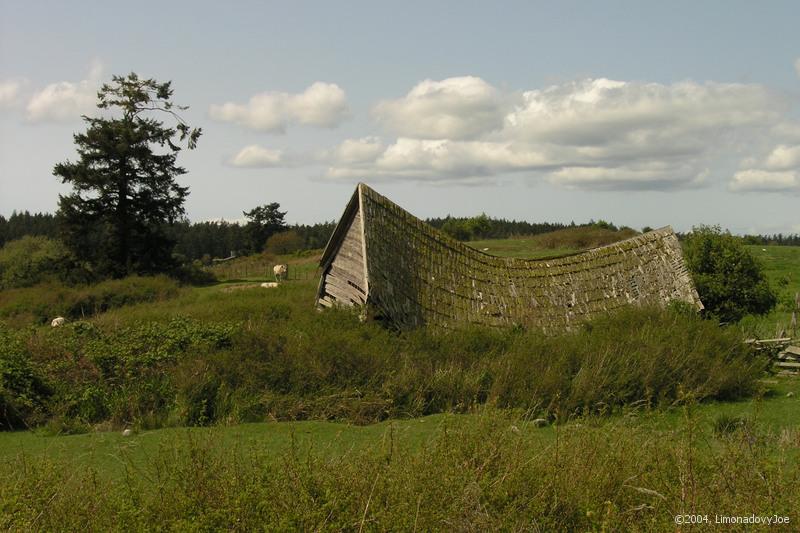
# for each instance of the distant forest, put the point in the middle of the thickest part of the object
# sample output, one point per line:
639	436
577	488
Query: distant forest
203	240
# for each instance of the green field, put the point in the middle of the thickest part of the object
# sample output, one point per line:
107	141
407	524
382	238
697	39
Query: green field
478	463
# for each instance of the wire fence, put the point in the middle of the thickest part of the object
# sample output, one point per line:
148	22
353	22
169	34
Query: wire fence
262	270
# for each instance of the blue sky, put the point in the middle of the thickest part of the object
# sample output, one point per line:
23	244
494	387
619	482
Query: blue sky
641	113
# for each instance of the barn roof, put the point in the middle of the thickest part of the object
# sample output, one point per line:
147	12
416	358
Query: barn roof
411	274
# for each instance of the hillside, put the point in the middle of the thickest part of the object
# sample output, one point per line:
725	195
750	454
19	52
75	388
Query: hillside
560	242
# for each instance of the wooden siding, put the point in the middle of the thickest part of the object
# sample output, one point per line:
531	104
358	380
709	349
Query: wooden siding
343	281
420	276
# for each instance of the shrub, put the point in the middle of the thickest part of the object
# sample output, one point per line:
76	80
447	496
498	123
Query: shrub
729	279
283	243
277	361
23	391
39	304
31	260
581	237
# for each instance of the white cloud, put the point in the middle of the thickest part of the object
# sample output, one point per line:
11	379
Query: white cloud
439	160
321	104
601	112
255	156
643	177
358	151
65	100
777	171
593	134
756	180
454	108
783	157
10	92
797	66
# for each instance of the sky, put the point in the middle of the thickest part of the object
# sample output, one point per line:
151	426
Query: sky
640	113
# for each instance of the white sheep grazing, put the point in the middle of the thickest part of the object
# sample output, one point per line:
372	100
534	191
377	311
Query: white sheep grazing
58	321
280	271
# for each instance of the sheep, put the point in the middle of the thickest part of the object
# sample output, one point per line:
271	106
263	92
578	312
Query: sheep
58	321
281	271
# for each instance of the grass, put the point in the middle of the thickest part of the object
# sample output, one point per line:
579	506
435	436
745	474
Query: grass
259	354
627	444
110	453
303	266
782	266
552	244
488	470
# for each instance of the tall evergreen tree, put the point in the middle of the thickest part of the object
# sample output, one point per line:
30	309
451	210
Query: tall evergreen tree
124	182
263	222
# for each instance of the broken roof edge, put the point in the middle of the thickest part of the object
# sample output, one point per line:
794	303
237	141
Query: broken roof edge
339	232
455	244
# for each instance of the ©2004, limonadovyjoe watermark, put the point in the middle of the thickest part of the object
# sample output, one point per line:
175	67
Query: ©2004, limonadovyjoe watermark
754	519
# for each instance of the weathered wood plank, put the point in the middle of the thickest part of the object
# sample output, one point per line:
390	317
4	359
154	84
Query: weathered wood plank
794	350
415	274
781	340
342	291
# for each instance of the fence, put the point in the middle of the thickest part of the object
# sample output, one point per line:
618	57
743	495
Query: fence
255	269
784	352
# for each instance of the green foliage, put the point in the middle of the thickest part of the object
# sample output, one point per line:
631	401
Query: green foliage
23	223
247	359
562	241
284	243
263	222
465	229
41	303
124	190
488	472
602	224
725	423
456	228
31	260
23	391
730	281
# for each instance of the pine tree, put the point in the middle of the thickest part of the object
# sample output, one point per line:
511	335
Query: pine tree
124	183
262	223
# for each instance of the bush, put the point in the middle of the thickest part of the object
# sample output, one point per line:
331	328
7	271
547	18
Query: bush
278	363
581	237
41	303
730	281
31	260
283	243
23	391
466	229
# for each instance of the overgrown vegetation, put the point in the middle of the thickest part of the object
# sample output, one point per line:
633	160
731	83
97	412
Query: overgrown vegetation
31	260
730	281
245	359
493	471
41	303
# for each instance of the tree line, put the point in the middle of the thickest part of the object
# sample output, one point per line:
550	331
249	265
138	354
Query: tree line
219	239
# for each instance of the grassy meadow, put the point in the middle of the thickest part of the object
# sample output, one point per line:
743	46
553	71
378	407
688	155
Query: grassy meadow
251	410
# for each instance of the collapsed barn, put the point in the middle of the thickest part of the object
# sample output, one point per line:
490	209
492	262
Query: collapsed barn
401	270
